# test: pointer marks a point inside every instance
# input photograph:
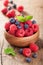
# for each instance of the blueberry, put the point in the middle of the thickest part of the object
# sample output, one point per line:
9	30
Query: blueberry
12	20
17	23
28	60
33	21
34	55
11	1
9	8
20	51
26	26
19	27
14	6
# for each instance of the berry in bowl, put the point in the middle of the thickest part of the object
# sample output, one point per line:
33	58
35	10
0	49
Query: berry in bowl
21	31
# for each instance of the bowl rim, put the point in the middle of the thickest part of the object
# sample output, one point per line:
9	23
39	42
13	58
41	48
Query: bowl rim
20	37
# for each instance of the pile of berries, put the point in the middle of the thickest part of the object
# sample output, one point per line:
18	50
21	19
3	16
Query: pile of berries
28	52
20	27
10	7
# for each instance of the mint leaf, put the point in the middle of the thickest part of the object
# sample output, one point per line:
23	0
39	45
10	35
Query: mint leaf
9	51
28	18
20	18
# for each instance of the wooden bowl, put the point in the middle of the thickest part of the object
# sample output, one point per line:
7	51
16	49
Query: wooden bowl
21	42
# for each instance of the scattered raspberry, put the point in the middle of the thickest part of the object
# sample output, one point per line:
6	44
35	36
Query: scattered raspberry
28	32
34	47
35	28
7	26
10	13
4	10
27	52
20	33
20	8
13	28
29	22
6	3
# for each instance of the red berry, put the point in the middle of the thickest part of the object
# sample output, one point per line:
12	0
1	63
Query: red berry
20	8
35	28
10	13
6	3
4	10
7	26
20	33
28	32
27	52
12	29
22	25
34	47
29	23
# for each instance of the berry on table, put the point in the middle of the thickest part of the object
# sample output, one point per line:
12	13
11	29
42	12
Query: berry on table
12	29
4	10
28	32
11	1
34	47
20	33
20	8
10	13
7	26
21	51
35	27
6	2
19	27
14	6
27	52
34	55
28	60
12	20
26	26
33	22
9	8
17	22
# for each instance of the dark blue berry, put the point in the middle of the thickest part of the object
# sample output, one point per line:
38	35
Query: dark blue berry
17	23
12	20
14	6
26	26
9	8
33	21
34	55
11	1
20	51
28	60
19	27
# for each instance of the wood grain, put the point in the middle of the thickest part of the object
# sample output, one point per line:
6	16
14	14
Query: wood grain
34	7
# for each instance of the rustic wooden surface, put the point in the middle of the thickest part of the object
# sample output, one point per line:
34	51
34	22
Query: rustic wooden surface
34	7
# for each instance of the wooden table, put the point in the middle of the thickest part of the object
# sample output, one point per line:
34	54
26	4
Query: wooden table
35	8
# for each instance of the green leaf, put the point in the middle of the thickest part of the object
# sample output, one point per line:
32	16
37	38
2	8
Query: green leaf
9	51
28	18
20	18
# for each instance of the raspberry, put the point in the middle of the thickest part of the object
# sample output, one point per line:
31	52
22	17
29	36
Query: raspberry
35	28
20	33
10	13
20	8
7	26
29	23
12	29
22	25
27	52
34	47
6	3
4	11
28	32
